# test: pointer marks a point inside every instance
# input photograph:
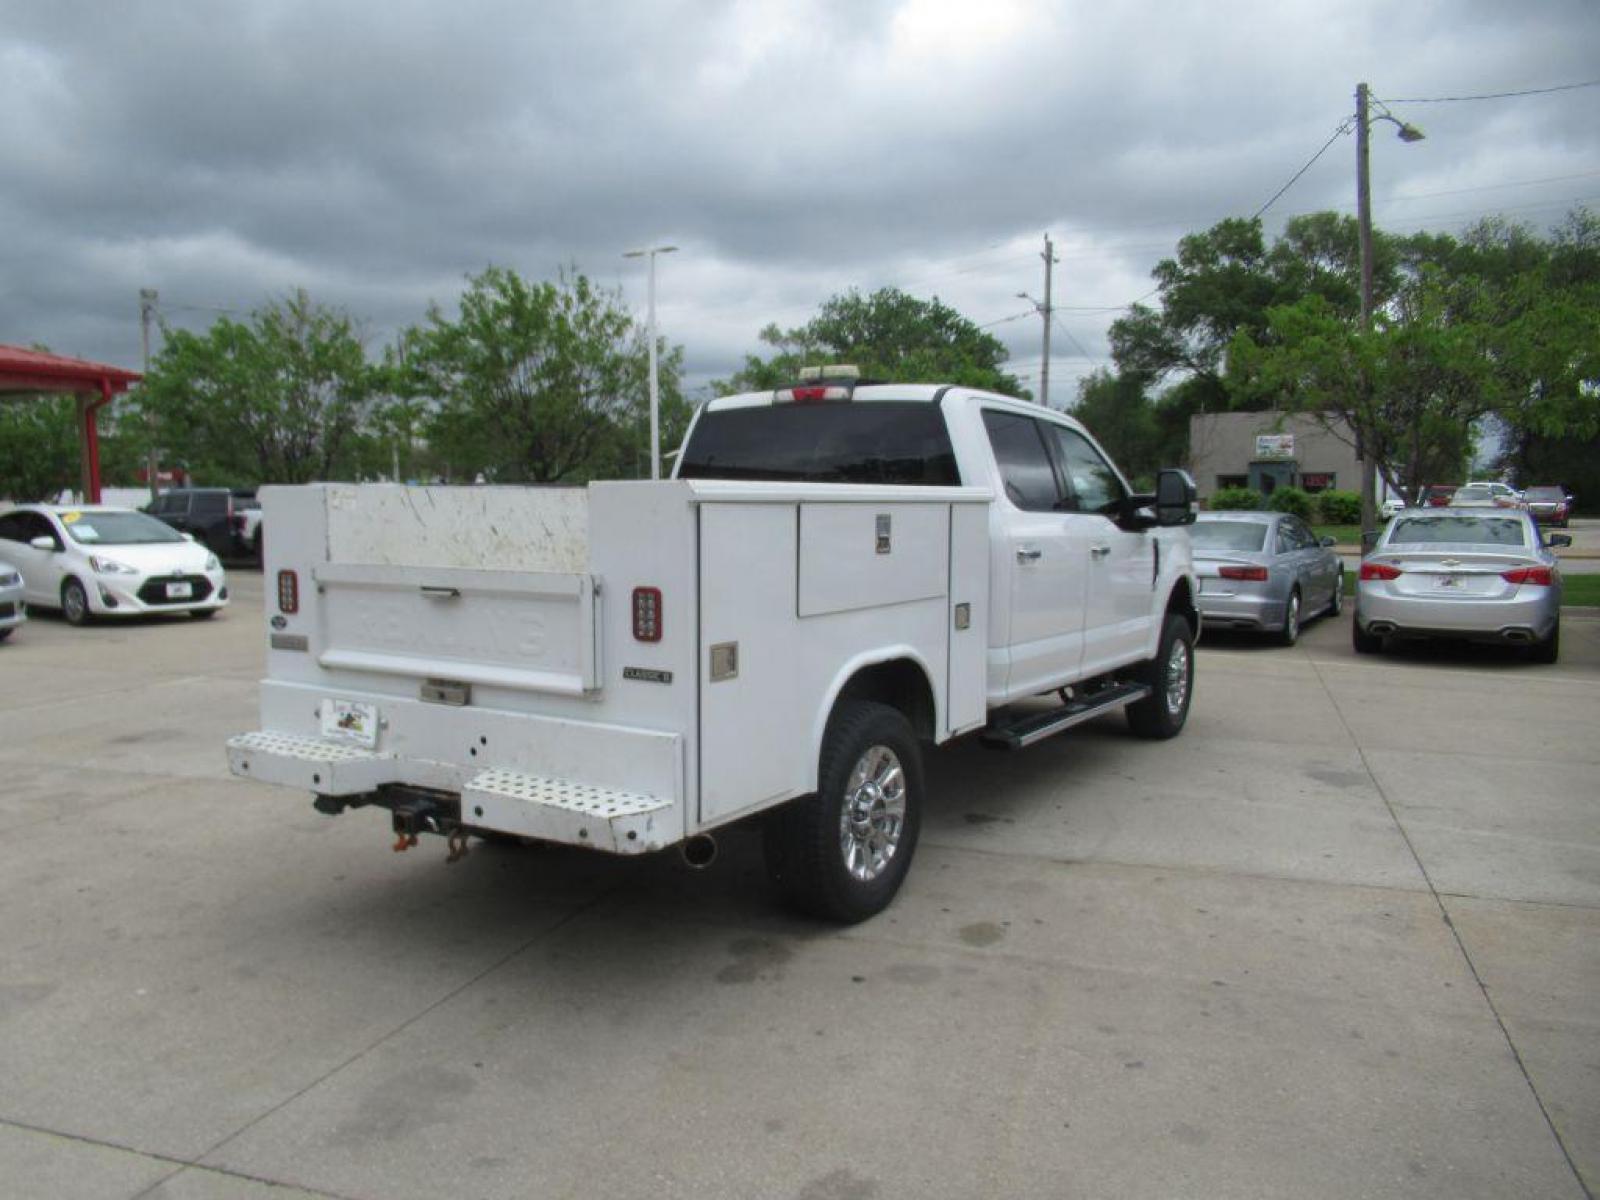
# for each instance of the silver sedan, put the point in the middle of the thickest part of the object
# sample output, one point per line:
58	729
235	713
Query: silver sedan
1264	571
1479	574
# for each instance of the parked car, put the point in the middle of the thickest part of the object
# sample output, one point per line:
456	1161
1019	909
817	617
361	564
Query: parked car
1485	495
1435	495
1549	505
1474	573
1391	506
1264	571
13	608
97	561
227	520
1501	491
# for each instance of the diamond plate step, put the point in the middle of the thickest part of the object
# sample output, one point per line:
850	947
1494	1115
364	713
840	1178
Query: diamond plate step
326	768
564	810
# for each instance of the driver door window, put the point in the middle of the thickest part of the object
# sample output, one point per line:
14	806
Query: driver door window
1092	483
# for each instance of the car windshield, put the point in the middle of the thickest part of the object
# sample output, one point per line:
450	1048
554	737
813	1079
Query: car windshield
1475	492
1484	531
117	528
1239	536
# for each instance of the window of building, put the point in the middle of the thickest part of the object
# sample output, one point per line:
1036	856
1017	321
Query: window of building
1318	481
1232	481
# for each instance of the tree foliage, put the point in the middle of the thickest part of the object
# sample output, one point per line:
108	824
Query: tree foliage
890	335
38	447
539	382
280	398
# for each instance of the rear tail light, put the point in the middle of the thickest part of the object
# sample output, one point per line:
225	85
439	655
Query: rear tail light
1373	570
1538	576
647	614
288	592
1257	574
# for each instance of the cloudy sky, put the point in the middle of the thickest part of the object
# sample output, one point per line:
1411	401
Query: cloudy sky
376	153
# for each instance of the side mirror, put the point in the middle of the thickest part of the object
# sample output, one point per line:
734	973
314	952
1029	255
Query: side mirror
188	537
1175	497
44	543
1327	541
1558	539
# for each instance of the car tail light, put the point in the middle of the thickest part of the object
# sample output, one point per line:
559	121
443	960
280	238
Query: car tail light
1374	570
647	614
288	592
1538	576
1257	574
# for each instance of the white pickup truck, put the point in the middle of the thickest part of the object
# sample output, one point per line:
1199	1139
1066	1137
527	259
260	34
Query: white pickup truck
835	575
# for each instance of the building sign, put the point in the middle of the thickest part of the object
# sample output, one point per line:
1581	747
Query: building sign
1274	445
1316	481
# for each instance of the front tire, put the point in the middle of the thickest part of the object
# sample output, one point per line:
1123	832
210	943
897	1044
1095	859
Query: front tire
1336	605
842	854
1170	675
74	602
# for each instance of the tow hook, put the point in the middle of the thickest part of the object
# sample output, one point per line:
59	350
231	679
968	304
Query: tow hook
457	841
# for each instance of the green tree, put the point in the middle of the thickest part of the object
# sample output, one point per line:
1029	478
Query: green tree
540	382
38	446
889	335
278	399
1124	420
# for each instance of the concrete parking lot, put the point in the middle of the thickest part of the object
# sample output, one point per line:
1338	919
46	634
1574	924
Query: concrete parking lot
1340	939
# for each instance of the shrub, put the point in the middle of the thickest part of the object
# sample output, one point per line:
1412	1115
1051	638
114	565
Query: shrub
1291	500
1234	498
1338	508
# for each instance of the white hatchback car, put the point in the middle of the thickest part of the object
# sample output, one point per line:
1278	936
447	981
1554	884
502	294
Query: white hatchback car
100	561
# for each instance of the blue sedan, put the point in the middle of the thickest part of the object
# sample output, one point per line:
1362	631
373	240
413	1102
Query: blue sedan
1264	572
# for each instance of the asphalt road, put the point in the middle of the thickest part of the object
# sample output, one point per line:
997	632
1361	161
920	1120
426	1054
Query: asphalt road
1339	939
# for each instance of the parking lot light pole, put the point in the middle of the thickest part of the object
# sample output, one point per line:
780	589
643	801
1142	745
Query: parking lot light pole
655	385
1406	133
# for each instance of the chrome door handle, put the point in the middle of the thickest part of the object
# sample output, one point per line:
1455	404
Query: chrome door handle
433	592
1099	551
1029	555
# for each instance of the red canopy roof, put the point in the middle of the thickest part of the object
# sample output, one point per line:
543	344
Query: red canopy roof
35	371
25	372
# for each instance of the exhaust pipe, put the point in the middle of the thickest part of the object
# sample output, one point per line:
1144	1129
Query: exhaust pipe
700	851
1381	628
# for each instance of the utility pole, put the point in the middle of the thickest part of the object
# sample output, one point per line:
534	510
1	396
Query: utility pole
1365	451
147	308
1045	310
655	386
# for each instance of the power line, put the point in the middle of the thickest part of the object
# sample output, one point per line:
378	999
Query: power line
1344	128
1564	87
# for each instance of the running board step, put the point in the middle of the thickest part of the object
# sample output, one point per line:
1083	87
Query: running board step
1035	727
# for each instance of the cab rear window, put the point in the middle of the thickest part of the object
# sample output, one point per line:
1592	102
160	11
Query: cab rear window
844	442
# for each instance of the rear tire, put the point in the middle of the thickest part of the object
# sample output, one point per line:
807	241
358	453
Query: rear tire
1364	642
1290	633
1170	675
202	614
1548	650
74	602
842	854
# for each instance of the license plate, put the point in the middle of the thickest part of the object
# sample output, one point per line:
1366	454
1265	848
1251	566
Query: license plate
1447	581
180	591
349	721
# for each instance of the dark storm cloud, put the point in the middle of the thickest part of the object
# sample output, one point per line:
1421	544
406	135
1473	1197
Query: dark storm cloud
376	154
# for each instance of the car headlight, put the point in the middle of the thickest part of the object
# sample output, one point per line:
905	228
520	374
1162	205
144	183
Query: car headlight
213	563
110	566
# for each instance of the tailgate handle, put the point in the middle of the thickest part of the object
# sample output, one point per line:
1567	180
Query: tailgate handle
440	593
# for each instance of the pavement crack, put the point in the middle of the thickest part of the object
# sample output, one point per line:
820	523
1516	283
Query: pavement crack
1461	945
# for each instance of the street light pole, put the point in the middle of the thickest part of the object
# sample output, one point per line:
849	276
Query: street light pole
655	386
1407	133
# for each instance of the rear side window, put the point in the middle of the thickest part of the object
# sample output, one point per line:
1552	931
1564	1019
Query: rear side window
210	503
1024	461
843	442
